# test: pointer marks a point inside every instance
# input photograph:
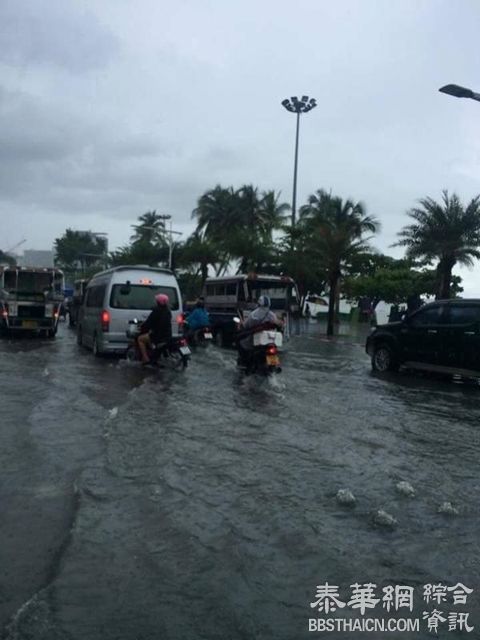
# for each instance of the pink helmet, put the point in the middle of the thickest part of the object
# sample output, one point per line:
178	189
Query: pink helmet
161	299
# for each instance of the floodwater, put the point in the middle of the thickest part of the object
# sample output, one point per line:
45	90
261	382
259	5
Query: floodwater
152	505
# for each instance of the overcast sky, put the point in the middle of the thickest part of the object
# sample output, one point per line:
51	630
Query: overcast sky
111	108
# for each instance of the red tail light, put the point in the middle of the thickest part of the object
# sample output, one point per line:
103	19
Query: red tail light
105	320
56	312
5	312
183	342
180	318
272	350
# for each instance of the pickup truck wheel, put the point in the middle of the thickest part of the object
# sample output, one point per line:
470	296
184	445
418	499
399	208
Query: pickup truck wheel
383	359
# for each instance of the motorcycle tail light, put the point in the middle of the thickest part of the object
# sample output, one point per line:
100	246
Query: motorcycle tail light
272	350
183	342
105	320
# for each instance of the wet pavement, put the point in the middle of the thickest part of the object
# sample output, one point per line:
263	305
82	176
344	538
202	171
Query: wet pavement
149	505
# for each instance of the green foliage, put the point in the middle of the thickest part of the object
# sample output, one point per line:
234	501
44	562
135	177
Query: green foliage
5	258
148	245
393	281
79	250
140	253
333	232
446	233
150	230
239	225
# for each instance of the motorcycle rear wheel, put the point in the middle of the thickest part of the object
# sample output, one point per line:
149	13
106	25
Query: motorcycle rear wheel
176	360
131	354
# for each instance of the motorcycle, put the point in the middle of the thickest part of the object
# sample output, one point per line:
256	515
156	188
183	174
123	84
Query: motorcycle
175	353
199	338
264	357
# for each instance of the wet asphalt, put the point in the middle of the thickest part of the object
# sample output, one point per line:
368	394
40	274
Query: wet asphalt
149	505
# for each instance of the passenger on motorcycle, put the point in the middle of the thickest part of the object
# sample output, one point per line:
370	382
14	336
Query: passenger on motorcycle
259	316
198	318
157	327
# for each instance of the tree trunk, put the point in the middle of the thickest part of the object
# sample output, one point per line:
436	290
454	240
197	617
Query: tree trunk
444	273
204	271
337	304
332	294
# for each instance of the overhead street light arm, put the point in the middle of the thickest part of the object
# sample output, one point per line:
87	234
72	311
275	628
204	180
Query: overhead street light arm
459	92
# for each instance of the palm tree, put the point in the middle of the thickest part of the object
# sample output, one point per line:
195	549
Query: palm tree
150	230
335	229
202	253
215	212
446	232
240	222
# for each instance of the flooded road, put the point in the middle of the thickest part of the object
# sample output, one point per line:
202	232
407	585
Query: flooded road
142	505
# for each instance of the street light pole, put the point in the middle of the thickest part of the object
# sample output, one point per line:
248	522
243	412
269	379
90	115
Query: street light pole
459	92
294	105
170	234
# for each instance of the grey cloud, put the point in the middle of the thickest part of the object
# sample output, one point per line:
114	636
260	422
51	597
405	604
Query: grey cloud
53	33
56	160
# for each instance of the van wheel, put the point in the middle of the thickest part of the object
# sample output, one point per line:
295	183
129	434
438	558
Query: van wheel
95	350
384	359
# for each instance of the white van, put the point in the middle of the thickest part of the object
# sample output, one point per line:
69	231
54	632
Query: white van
118	295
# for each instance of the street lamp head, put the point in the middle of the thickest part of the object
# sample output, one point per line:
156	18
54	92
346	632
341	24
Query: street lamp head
295	105
457	91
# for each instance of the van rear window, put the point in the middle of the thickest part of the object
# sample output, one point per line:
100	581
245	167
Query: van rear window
139	296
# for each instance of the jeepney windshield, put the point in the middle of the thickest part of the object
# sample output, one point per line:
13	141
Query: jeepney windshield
280	293
32	284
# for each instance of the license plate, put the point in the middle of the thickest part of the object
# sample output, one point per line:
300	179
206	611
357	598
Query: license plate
273	361
207	336
185	351
29	324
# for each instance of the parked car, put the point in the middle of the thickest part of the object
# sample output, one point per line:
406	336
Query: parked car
115	297
442	336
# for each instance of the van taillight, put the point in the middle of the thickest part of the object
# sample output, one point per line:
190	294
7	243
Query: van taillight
5	311
105	319
180	318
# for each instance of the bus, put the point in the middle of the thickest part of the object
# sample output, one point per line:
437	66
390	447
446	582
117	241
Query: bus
30	299
230	296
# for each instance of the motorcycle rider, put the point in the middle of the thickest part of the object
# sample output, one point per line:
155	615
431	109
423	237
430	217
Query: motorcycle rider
157	327
198	318
259	316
